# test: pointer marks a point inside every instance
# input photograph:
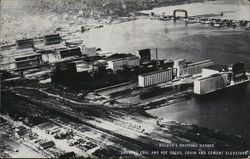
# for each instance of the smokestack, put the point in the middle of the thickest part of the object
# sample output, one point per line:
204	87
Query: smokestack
156	54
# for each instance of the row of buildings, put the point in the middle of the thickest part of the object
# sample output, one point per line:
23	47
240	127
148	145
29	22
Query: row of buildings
218	77
180	69
30	42
37	57
150	70
27	54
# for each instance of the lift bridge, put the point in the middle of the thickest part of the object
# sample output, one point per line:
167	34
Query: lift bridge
179	10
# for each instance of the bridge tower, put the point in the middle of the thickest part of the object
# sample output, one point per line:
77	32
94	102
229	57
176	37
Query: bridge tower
180	10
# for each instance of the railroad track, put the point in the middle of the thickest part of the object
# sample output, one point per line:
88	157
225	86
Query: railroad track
127	142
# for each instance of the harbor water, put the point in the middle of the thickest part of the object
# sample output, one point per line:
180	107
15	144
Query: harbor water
228	110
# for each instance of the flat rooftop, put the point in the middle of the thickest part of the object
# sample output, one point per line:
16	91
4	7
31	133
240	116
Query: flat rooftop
217	67
199	62
132	57
211	76
117	60
155	72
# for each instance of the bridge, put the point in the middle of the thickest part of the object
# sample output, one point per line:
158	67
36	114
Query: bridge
180	10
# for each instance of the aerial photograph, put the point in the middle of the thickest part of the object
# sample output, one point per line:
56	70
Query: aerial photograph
125	79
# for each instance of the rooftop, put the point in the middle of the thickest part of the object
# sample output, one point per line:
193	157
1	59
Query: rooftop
217	67
211	76
68	49
48	144
117	60
27	56
200	62
22	40
132	57
52	35
155	72
45	125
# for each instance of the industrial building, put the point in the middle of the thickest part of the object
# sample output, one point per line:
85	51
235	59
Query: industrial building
184	68
118	64
218	77
66	67
214	69
24	43
155	77
52	39
211	83
70	52
27	61
238	72
89	51
63	72
73	42
178	64
196	67
145	55
133	61
47	145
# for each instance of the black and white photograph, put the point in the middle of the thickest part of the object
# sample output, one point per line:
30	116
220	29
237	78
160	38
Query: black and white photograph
165	79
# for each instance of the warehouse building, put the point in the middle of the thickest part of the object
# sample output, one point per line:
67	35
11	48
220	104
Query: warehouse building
117	64
70	52
155	77
27	61
24	43
196	67
89	51
211	83
52	39
184	68
47	145
133	61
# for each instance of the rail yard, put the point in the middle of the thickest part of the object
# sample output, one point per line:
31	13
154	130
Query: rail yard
62	98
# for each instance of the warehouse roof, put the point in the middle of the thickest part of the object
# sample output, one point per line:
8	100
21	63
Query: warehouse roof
25	40
46	145
211	76
52	35
217	67
132	57
120	59
200	62
45	125
155	72
20	58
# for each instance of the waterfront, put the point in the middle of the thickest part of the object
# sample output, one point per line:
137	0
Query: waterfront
92	124
175	40
227	111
